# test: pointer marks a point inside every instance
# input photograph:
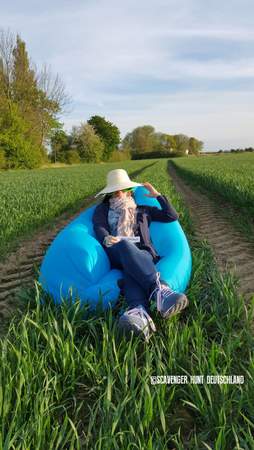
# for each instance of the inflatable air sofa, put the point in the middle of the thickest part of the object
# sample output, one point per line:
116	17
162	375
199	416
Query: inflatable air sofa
76	265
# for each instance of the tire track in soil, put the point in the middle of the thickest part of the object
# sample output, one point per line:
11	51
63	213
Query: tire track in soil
20	268
231	250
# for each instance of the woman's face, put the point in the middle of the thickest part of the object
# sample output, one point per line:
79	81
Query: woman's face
121	194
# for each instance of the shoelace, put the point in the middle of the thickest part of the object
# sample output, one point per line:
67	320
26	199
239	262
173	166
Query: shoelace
141	312
158	285
166	292
162	289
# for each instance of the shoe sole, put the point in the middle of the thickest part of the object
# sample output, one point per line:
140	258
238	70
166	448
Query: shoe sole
175	309
127	327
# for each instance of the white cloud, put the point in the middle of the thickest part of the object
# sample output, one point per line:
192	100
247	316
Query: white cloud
102	47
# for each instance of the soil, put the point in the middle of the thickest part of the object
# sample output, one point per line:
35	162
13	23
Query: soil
232	251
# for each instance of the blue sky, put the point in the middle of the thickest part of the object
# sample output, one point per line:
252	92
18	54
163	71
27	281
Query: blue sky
182	66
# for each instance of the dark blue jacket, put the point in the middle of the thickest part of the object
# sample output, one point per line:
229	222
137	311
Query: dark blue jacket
145	215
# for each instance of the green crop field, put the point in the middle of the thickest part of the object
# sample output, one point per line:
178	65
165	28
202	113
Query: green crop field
72	383
231	176
29	199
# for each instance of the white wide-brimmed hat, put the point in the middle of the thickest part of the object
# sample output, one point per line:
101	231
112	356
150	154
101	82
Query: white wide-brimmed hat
117	180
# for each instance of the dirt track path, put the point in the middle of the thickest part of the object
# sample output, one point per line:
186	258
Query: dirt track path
20	267
232	251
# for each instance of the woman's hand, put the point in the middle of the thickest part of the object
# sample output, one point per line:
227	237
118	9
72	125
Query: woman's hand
110	240
153	193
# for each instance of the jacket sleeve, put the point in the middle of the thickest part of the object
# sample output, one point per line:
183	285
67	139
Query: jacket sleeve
166	214
100	223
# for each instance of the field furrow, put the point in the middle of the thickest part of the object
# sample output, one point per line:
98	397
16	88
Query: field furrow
232	250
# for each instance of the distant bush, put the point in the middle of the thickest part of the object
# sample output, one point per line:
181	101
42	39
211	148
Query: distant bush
72	157
20	154
120	155
155	154
2	160
88	145
237	150
249	149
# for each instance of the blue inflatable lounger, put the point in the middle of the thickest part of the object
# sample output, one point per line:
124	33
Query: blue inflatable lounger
76	264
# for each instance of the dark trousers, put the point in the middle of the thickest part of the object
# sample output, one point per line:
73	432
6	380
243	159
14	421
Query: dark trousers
139	271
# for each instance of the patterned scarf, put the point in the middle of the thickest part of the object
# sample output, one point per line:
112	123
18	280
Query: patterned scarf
122	215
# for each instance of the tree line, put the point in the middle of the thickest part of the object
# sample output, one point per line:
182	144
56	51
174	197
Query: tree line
237	150
99	140
31	133
145	139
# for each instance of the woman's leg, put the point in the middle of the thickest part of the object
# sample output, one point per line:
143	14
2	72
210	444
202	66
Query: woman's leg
134	294
136	263
139	272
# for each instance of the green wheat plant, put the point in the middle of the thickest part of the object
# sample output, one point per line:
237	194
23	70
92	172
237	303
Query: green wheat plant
70	381
32	198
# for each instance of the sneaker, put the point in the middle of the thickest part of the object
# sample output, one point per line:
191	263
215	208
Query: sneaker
137	320
168	301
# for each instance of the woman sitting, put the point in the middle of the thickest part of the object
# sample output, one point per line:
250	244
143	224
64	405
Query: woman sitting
122	228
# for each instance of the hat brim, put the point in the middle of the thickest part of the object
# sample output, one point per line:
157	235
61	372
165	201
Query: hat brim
118	188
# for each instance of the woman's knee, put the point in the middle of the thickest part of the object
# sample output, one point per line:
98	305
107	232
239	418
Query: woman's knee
125	244
113	255
125	248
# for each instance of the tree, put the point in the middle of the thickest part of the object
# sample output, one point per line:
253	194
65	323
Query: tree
195	146
54	100
25	92
72	157
108	133
2	159
26	101
182	143
164	142
87	143
59	145
7	42
53	87
19	150
141	139
127	142
24	87
145	140
40	96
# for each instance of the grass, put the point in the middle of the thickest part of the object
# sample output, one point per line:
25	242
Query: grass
69	381
30	199
228	180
